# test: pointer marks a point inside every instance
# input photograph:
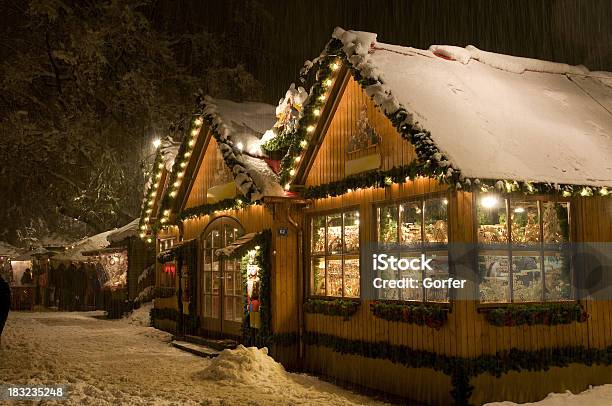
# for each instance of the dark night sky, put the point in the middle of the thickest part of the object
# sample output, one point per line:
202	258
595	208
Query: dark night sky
570	31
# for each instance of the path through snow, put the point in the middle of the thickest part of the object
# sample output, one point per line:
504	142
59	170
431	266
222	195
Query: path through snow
115	362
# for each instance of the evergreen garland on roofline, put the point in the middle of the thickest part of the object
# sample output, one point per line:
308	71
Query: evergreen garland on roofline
431	163
212	208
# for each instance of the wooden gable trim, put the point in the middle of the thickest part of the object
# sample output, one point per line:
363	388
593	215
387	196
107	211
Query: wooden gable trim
158	195
327	115
192	169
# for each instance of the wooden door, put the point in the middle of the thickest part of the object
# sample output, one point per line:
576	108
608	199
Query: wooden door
222	293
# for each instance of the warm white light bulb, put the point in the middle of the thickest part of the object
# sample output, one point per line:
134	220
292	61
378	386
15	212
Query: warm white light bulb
317	112
489	201
156	142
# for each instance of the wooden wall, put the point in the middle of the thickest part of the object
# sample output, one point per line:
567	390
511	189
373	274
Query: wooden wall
466	333
211	163
329	164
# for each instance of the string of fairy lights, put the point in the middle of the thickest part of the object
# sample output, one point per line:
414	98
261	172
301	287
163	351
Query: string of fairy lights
327	75
176	177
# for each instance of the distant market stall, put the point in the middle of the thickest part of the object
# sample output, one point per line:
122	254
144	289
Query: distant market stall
124	258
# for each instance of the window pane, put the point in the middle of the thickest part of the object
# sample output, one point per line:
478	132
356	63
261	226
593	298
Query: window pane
228	308
389	293
215	307
318	234
525	222
439	264
207	282
557	276
436	220
334	277
527	278
334	233
555	219
351	231
216	283
230	235
492	220
494	271
216	238
351	277
410	293
411	215
208	306
387	224
317	286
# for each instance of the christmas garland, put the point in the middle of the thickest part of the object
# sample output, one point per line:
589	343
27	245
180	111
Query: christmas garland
462	370
396	174
424	315
211	208
432	162
147	202
263	336
549	314
338	307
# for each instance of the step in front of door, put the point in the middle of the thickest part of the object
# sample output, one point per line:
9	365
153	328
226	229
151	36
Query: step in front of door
217	344
196	349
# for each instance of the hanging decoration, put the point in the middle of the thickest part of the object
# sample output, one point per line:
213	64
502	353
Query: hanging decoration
462	370
424	315
548	314
337	307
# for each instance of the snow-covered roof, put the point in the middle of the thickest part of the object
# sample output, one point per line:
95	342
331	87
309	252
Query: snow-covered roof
238	129
8	250
75	251
128	230
495	116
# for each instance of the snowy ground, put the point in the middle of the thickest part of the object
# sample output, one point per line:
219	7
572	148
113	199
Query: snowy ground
120	362
597	396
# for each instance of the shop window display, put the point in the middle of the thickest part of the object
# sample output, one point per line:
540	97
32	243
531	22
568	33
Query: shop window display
522	256
408	230
335	255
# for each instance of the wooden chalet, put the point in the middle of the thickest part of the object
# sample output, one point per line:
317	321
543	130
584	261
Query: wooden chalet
496	168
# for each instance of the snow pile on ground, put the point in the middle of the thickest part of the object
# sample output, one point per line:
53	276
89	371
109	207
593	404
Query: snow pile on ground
141	316
110	362
597	396
146	294
246	366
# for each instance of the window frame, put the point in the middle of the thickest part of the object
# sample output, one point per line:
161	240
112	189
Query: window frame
509	248
325	255
422	247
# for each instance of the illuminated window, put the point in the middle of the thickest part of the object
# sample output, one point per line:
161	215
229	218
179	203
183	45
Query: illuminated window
335	255
408	230
523	252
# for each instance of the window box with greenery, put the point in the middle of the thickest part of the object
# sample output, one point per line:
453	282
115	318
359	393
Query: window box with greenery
523	251
407	230
334	255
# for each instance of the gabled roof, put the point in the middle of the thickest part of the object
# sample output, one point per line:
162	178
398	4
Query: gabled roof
478	118
121	233
76	250
238	129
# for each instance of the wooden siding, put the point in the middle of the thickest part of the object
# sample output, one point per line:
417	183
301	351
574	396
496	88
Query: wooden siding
329	164
210	165
466	333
